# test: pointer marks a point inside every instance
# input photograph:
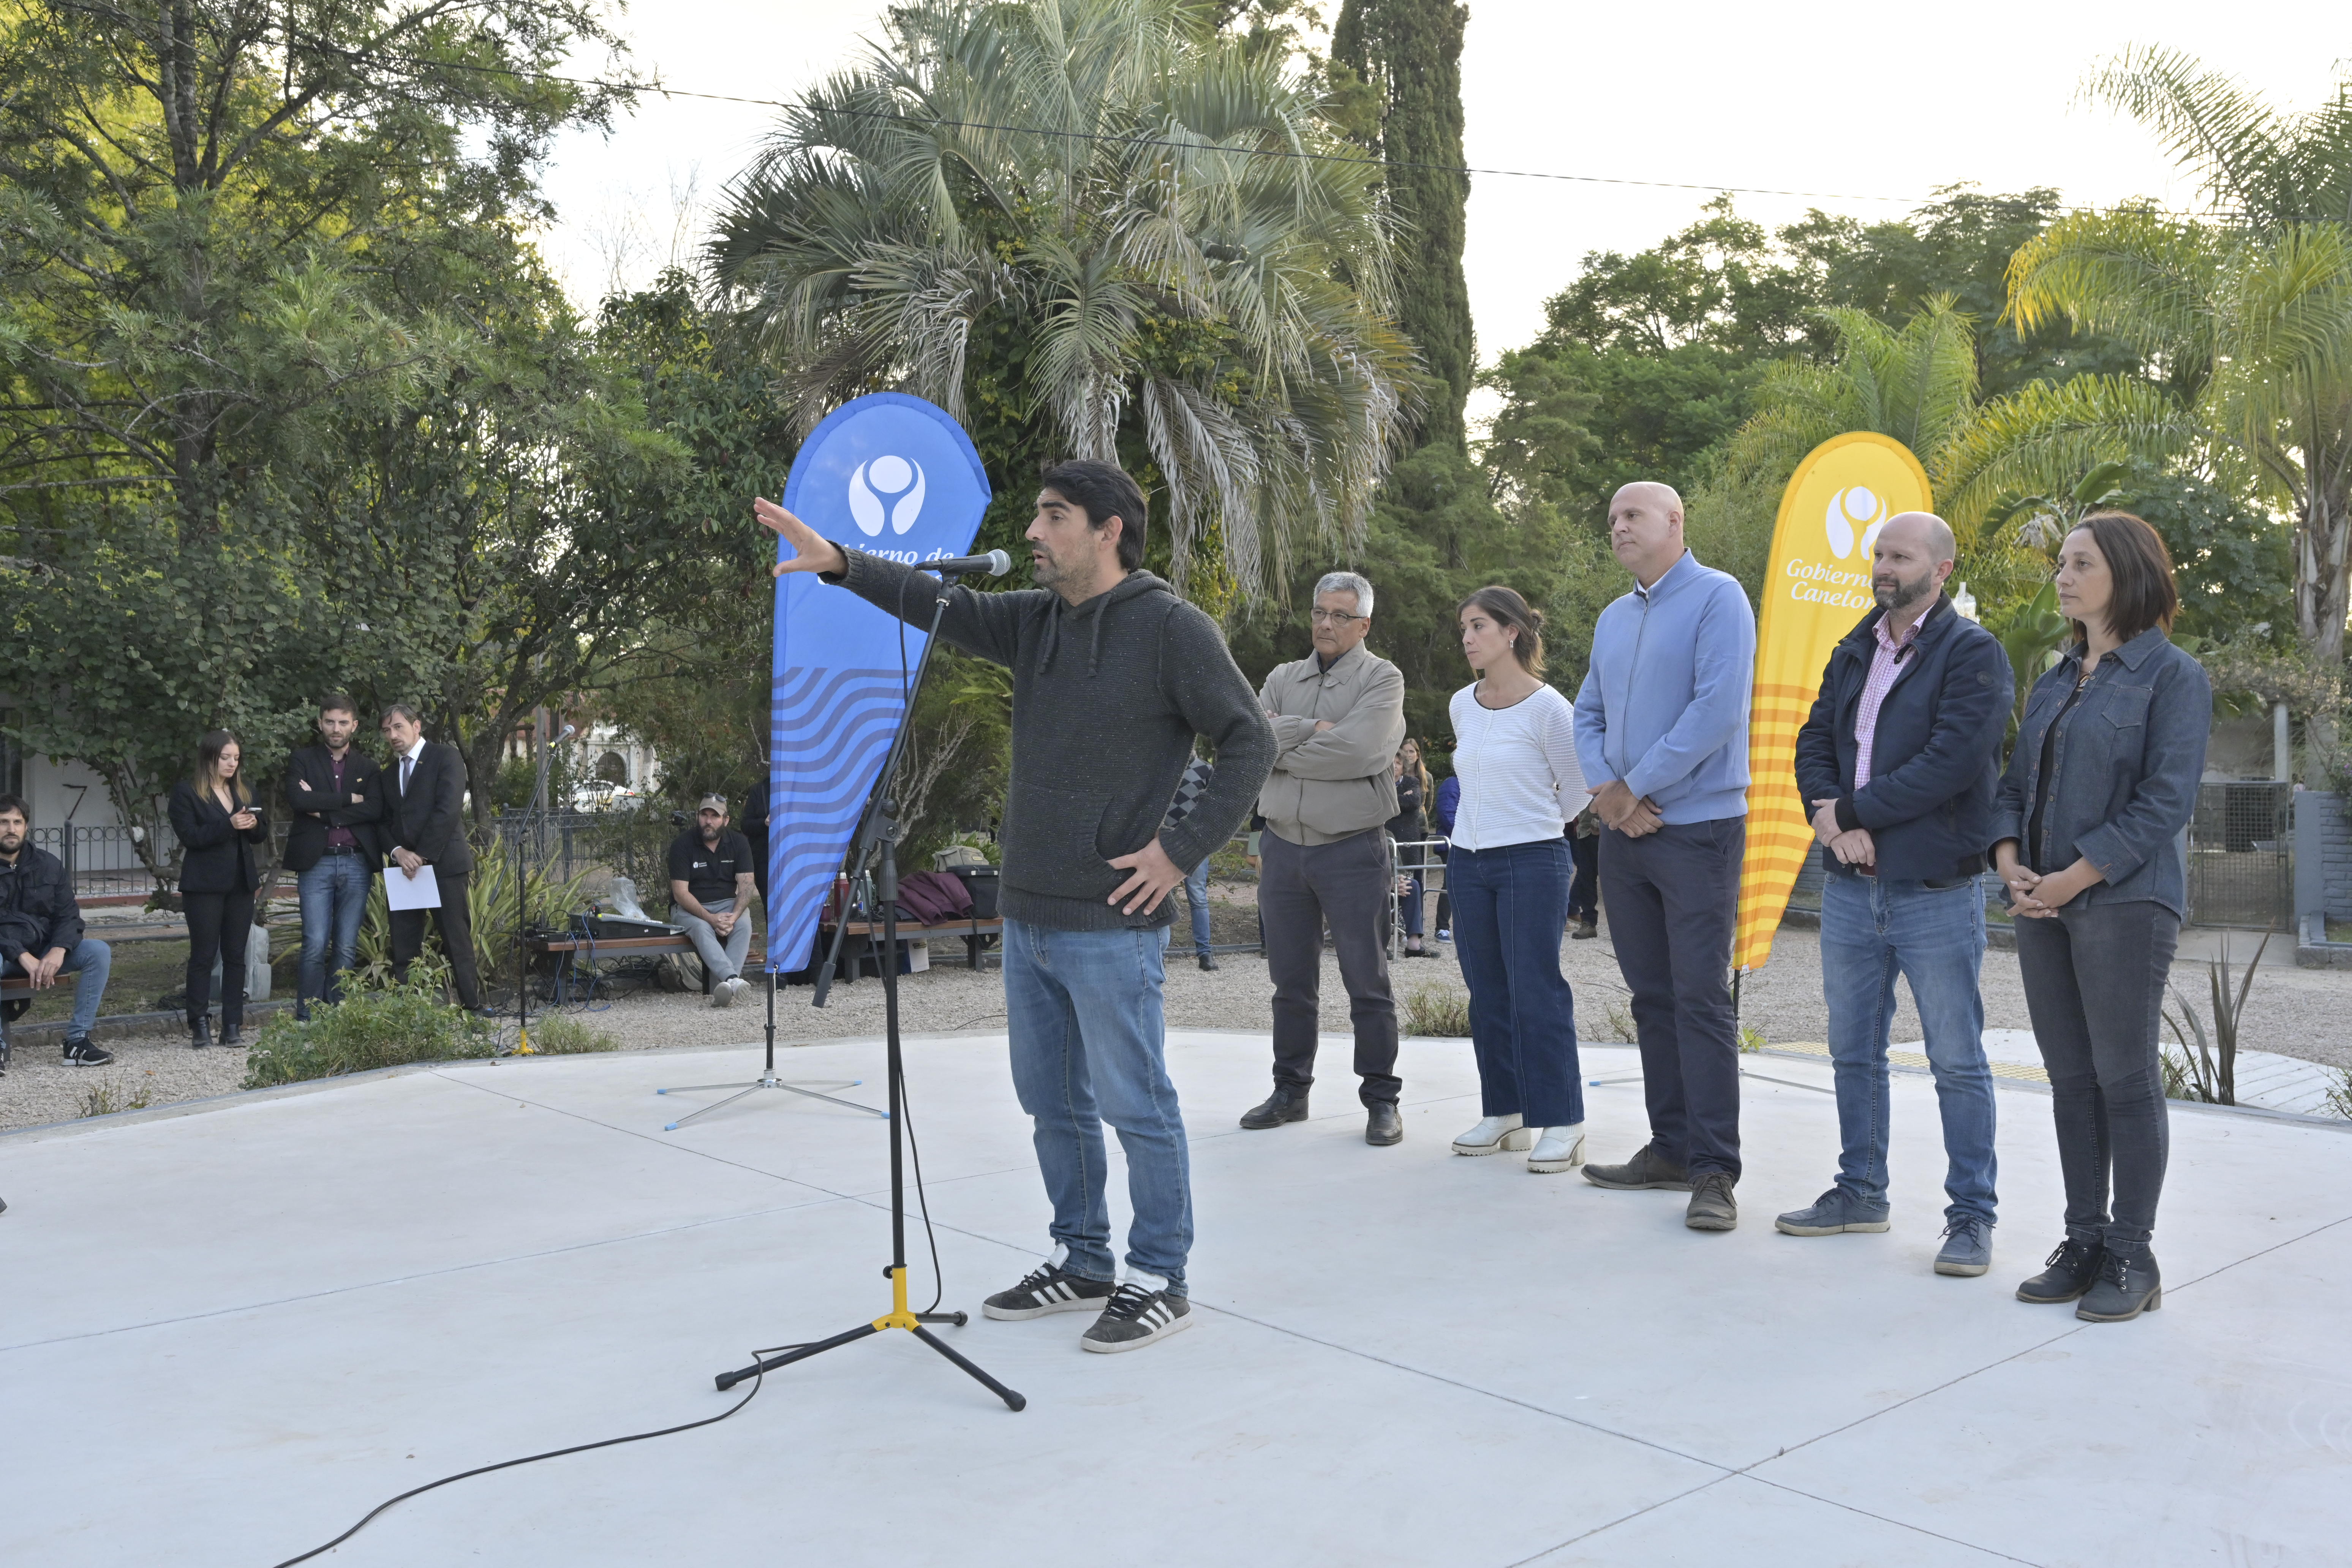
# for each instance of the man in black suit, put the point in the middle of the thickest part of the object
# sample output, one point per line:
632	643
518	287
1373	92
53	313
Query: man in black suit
336	791
424	824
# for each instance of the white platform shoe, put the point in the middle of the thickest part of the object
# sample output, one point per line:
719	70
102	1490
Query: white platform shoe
1557	1149
1495	1134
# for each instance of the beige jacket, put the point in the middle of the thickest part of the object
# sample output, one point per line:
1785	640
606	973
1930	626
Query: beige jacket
1330	784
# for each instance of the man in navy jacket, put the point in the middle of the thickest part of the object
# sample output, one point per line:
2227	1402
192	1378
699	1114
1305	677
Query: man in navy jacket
1899	763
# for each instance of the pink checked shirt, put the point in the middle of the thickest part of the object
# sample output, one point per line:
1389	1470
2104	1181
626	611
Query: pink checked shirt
1885	668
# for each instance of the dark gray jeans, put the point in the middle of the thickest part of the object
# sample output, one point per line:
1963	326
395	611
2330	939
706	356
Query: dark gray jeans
2094	981
1673	897
1298	888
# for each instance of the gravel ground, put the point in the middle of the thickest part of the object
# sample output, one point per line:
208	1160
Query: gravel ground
2294	1011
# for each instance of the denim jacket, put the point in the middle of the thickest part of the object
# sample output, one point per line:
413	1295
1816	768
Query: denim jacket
2124	772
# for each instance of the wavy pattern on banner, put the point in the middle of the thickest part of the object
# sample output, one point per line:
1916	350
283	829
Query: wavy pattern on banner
829	730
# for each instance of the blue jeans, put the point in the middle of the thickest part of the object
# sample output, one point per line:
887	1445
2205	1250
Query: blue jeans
1874	927
1089	1047
90	961
1196	895
1510	905
335	894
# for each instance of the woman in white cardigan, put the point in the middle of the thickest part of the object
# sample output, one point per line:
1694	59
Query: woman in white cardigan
1508	873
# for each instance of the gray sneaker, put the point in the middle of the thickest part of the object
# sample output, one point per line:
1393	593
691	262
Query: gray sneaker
723	995
1134	1317
1967	1248
1834	1212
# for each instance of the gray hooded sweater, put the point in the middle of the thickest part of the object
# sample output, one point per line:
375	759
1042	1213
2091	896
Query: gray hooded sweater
1107	698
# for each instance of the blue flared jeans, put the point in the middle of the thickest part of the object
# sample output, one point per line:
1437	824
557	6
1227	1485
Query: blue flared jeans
1511	906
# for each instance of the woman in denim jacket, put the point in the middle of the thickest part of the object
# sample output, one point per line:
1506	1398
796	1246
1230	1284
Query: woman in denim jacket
2088	827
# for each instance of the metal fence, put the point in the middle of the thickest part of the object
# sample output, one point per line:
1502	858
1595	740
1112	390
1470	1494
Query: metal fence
101	861
2241	855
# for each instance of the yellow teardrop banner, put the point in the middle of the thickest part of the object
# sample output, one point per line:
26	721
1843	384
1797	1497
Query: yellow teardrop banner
1816	588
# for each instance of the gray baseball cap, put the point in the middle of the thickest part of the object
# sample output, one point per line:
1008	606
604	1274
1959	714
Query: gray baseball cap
717	803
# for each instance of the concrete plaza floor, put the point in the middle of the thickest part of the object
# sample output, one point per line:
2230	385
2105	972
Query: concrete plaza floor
227	1334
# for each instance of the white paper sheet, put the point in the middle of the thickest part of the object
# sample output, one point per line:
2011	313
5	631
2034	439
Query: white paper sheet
403	891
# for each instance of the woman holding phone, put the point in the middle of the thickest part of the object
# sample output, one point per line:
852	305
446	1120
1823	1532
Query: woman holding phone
2088	827
219	825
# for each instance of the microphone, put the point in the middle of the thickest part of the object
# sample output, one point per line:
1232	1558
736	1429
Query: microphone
995	564
568	732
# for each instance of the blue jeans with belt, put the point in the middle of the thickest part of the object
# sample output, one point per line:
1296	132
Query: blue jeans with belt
1873	929
334	895
1510	904
1089	1046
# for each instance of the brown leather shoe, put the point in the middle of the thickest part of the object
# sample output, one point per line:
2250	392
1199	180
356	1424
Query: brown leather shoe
1647	1169
1712	1206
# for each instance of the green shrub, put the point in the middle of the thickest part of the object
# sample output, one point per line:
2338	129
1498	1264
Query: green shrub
367	1029
1435	1010
567	1033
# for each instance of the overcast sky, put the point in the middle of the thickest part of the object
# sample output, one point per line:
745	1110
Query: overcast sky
1860	99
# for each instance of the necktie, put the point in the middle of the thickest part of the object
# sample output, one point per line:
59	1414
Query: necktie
408	767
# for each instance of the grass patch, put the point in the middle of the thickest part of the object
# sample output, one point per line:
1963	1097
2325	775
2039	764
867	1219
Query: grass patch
366	1030
1620	1024
567	1033
1435	1010
1751	1039
2339	1094
109	1095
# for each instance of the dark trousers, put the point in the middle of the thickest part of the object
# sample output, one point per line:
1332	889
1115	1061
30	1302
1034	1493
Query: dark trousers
1584	893
1300	887
1509	907
2094	980
1674	897
218	925
456	923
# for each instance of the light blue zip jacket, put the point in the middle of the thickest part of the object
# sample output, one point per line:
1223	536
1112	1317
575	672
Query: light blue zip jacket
1665	703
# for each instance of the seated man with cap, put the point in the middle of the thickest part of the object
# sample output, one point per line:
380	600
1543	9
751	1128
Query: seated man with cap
710	882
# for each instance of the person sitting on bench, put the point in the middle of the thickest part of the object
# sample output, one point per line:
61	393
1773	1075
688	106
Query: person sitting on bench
710	881
41	931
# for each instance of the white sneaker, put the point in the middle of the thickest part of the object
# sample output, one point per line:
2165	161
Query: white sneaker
723	994
1559	1149
1493	1135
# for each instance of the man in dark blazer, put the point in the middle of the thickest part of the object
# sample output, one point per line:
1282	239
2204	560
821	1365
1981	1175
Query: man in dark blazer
1898	764
424	824
336	794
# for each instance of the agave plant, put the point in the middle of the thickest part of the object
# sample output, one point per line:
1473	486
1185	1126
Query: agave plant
1100	224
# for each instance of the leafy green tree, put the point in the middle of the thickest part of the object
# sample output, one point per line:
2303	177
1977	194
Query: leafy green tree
1410	53
1129	280
227	230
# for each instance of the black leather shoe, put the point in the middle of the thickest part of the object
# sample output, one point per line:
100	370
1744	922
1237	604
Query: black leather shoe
2128	1285
200	1033
1646	1169
1712	1206
1283	1105
1209	962
232	1035
2072	1268
1383	1125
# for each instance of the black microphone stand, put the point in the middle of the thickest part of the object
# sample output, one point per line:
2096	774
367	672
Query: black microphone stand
878	836
533	824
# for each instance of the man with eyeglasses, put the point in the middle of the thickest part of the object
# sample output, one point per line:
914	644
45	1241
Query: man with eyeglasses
1338	719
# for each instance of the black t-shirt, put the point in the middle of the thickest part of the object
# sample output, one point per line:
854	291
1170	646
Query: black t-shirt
708	870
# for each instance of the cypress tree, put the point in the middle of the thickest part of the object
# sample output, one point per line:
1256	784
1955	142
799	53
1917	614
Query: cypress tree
1410	51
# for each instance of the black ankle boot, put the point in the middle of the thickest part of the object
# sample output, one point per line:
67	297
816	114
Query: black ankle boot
200	1032
2072	1268
1283	1105
2128	1286
232	1033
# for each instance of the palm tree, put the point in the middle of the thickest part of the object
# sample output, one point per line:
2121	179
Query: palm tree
1089	225
1916	383
2245	318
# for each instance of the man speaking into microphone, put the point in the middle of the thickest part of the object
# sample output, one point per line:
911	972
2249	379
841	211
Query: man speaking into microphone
1113	677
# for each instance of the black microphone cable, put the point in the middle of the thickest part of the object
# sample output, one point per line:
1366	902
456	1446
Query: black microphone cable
534	1459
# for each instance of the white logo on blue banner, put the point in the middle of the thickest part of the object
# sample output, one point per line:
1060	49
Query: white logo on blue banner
893	476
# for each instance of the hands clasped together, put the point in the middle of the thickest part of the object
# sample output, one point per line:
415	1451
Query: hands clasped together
1629	813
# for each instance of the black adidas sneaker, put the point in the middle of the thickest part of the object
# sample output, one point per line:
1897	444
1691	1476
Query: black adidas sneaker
1135	1317
1050	1289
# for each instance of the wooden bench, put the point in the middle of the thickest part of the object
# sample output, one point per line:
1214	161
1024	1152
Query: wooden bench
972	932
